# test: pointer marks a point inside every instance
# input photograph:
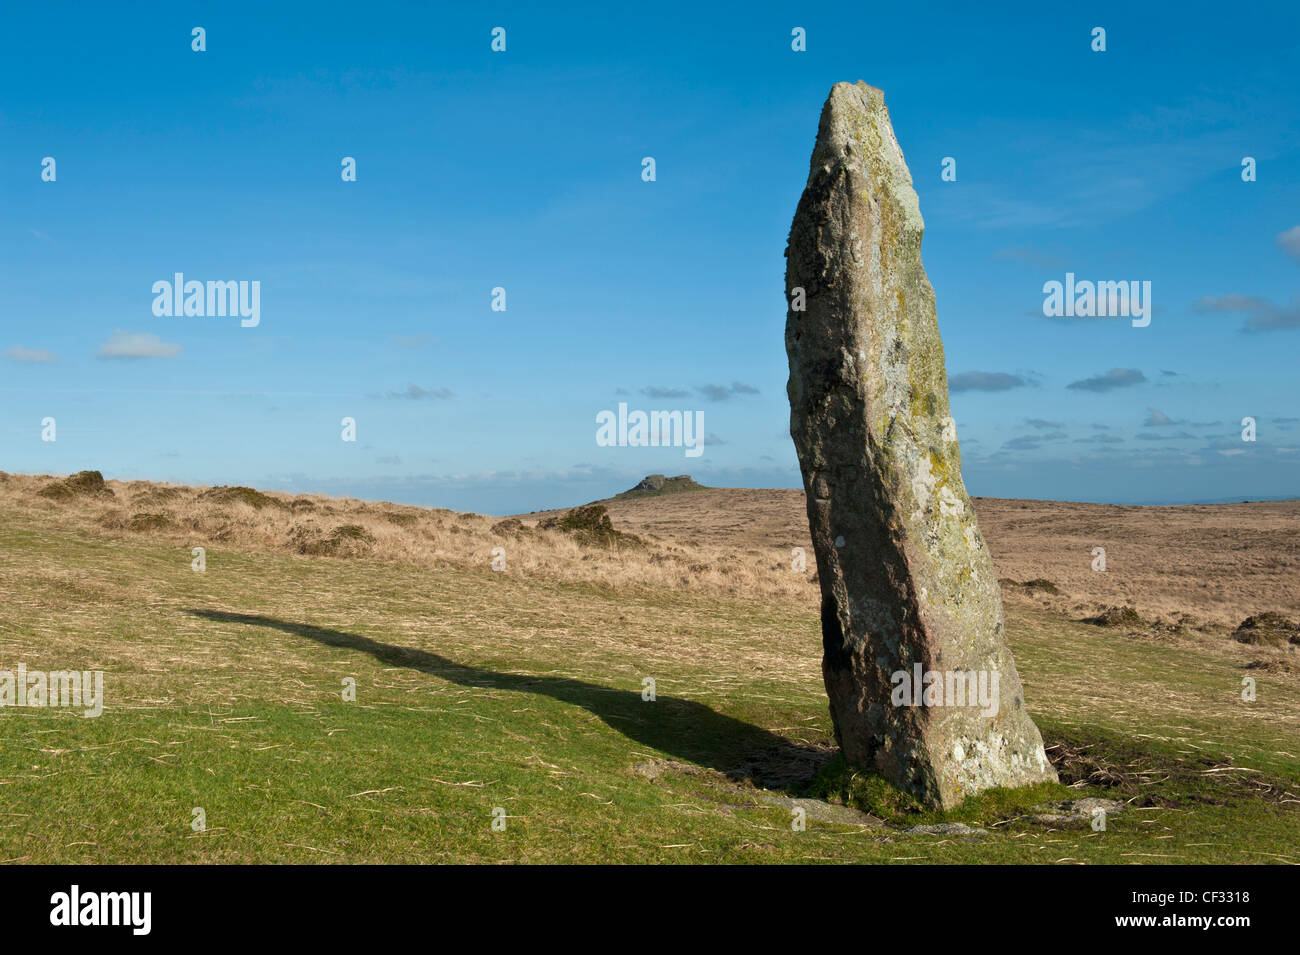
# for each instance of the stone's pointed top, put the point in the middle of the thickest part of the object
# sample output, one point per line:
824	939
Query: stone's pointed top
861	88
849	104
855	131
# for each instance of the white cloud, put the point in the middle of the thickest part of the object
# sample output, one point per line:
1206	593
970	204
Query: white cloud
1289	242
19	353
137	345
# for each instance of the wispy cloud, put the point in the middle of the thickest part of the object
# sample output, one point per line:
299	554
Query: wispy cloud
1026	442
416	393
1261	314
1073	175
127	345
985	381
707	392
1115	378
30	355
1289	242
1100	439
725	392
654	391
1031	442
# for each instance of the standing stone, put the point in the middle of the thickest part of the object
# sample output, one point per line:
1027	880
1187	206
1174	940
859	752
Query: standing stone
908	587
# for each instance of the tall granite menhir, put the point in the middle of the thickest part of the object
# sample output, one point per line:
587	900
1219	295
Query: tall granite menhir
906	578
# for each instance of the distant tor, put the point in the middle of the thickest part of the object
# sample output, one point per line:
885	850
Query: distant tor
654	485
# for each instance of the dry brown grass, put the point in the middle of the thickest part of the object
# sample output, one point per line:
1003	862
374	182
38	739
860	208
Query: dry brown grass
320	526
1201	568
1215	564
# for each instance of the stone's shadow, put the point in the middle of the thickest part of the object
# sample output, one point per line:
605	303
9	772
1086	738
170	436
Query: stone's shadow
683	729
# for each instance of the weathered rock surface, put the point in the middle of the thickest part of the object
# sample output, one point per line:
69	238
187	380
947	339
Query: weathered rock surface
821	811
947	829
905	576
1078	810
654	484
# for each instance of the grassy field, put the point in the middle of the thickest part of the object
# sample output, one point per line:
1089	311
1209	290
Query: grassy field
520	694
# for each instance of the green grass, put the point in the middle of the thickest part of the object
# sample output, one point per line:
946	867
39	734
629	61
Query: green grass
478	690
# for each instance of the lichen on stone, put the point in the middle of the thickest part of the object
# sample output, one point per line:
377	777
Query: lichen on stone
905	575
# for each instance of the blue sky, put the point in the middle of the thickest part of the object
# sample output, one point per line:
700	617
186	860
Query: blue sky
522	170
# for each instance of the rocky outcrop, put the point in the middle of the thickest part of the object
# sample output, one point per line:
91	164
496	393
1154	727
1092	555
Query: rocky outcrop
654	485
